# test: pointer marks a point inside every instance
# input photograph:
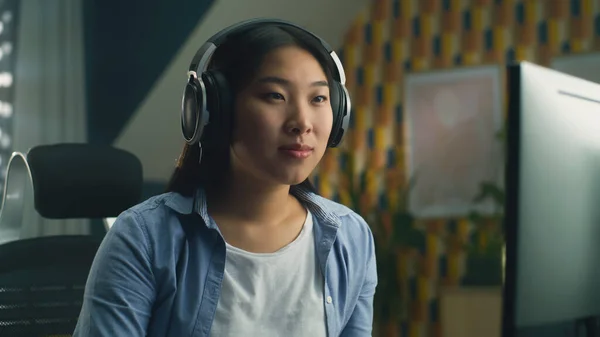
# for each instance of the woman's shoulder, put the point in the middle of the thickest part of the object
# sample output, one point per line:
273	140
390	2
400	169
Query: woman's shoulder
155	217
166	202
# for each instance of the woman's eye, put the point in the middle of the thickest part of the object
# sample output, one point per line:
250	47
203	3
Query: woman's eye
274	96
320	99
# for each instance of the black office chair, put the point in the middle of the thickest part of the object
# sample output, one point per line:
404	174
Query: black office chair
42	279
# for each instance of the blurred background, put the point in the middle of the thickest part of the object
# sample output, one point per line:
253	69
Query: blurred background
422	163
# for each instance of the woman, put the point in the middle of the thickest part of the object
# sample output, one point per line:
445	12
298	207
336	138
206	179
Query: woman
241	245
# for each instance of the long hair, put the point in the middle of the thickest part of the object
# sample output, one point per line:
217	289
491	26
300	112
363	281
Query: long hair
238	59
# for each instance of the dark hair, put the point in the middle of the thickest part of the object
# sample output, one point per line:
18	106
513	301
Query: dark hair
238	59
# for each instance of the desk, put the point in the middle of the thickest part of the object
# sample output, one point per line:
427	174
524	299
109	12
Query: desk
471	312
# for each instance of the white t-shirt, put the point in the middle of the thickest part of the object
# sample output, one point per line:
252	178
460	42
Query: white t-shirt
272	294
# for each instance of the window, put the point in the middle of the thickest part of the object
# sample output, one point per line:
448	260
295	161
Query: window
8	34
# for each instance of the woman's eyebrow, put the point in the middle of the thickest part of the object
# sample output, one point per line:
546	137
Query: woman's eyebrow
283	81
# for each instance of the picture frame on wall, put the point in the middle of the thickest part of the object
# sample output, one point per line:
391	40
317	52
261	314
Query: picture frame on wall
453	118
584	65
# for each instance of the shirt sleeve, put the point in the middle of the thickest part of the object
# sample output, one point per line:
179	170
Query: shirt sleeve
120	288
361	319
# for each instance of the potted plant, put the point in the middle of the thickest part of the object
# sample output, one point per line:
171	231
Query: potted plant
485	252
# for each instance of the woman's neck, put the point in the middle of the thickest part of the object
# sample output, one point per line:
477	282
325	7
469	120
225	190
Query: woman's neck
250	201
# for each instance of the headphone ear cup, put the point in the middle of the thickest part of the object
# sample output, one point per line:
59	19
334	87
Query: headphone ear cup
194	116
340	105
219	105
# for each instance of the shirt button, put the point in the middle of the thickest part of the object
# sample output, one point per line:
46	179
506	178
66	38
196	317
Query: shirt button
329	300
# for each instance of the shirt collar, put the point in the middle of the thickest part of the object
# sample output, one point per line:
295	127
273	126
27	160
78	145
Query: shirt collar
323	209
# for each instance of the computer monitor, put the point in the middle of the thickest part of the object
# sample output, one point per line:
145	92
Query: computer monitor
552	219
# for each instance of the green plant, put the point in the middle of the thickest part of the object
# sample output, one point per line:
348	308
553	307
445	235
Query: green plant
484	262
488	191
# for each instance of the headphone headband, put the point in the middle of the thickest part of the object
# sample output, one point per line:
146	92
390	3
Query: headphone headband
203	56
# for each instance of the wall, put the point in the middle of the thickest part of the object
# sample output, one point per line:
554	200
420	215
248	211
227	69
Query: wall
391	38
153	132
128	44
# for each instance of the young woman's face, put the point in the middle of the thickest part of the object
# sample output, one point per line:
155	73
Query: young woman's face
282	119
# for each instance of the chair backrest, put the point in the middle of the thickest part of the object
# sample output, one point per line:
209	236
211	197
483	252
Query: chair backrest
84	181
42	279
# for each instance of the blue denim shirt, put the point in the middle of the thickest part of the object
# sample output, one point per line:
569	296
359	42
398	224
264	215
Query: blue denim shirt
158	271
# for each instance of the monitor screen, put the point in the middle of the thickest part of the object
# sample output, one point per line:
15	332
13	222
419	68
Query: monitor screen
553	198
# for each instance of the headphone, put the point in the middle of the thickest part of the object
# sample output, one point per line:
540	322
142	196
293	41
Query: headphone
208	100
